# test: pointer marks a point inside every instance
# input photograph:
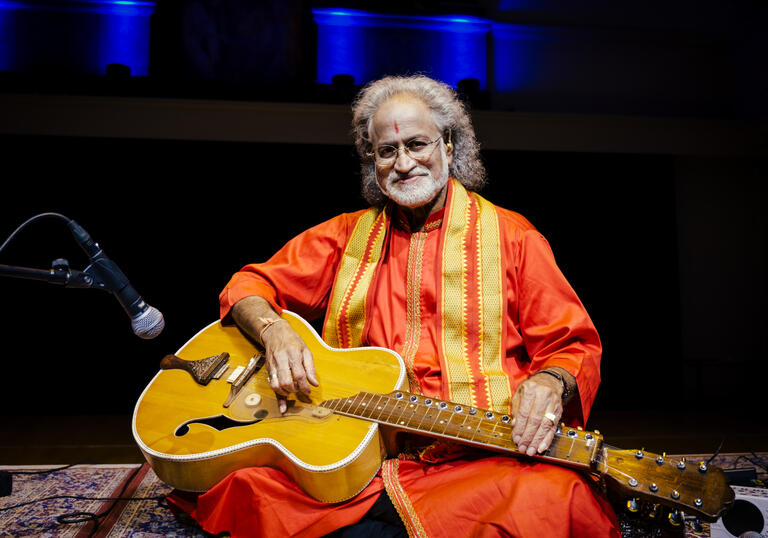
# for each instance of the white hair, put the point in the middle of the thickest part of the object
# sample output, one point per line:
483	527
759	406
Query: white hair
451	119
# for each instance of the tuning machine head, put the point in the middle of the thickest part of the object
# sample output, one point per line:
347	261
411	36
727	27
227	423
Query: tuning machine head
675	518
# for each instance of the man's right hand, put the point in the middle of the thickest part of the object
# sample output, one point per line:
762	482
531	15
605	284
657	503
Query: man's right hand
289	362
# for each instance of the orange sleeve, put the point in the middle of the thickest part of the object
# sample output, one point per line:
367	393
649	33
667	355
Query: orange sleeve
299	277
556	329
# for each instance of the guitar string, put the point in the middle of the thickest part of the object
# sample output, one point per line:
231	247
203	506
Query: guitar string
392	417
438	419
395	412
679	501
476	429
478	433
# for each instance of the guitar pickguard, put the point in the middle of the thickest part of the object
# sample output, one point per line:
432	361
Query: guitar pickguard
268	410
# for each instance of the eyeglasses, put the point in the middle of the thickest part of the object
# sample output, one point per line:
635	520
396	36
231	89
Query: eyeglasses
418	149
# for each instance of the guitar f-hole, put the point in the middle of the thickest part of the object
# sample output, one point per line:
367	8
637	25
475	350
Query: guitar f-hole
221	422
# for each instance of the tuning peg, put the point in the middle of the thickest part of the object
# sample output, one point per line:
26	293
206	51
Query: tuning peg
675	518
681	463
597	432
702	467
696	524
653	511
633	505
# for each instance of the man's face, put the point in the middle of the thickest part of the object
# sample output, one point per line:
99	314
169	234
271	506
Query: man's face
409	182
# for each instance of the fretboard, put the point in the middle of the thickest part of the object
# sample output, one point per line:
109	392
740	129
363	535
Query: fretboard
477	427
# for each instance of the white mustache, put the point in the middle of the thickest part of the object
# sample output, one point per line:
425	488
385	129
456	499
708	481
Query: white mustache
417	171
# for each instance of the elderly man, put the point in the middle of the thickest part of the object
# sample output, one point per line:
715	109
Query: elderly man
468	294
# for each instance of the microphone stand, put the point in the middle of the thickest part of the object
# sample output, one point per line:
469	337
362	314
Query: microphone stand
59	273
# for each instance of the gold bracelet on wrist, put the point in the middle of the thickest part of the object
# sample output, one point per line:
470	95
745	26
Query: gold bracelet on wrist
268	322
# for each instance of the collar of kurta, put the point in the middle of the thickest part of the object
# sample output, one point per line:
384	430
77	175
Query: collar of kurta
470	296
399	220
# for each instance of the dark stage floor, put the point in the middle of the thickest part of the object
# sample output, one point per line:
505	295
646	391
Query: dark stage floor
108	438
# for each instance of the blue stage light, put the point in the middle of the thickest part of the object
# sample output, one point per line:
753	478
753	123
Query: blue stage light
80	36
368	45
124	36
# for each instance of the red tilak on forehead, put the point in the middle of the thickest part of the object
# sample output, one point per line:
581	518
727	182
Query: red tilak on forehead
396	129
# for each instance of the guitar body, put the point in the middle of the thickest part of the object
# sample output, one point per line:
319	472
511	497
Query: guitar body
193	437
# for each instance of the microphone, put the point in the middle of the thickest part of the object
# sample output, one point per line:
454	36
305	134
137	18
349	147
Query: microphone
146	321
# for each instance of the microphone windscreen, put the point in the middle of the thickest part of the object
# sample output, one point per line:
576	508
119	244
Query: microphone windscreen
148	324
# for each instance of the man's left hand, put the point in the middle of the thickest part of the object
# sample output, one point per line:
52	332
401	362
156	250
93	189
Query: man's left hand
536	401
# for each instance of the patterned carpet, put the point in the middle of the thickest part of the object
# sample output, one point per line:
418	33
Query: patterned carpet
150	517
145	518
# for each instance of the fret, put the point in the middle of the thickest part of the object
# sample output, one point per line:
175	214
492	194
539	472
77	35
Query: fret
458	421
559	446
399	408
346	404
570	449
358	403
369	406
490	434
375	406
395	410
361	404
431	416
500	442
440	425
574	450
330	404
423	412
388	411
487	429
382	409
476	423
381	406
414	415
495	434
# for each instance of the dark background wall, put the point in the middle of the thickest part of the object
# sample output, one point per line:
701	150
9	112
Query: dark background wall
665	242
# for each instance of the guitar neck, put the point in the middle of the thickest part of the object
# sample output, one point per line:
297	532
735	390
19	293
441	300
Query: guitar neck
467	425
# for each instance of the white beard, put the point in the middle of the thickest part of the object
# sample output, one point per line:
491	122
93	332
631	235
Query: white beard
419	193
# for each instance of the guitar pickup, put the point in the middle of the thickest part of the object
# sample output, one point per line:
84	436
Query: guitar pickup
241	375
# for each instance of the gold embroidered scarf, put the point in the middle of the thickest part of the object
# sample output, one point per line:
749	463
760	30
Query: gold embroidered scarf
471	296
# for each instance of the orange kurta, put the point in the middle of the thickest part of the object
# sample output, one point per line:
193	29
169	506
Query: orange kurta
544	325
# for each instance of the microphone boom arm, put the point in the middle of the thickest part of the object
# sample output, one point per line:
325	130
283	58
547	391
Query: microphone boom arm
59	273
